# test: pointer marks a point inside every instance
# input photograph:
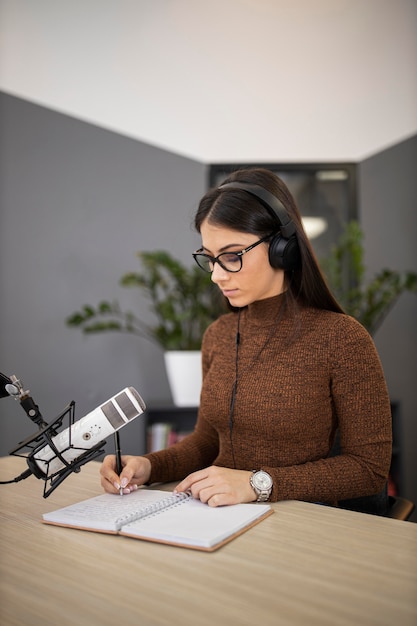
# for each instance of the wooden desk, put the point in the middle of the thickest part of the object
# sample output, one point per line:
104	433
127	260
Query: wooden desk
304	565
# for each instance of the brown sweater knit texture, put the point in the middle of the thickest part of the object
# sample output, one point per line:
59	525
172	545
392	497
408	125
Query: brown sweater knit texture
300	375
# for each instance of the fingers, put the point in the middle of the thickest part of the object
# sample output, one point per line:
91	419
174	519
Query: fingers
110	481
191	481
218	486
136	471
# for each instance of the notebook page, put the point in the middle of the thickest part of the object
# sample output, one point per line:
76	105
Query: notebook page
106	512
196	524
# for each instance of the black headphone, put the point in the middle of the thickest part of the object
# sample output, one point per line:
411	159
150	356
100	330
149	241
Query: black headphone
284	252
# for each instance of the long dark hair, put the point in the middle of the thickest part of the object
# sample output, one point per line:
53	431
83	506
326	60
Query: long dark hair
238	210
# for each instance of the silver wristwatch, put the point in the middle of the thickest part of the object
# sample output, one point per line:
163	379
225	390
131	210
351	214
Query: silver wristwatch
261	483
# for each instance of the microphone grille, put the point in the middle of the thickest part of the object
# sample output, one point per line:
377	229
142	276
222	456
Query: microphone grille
138	398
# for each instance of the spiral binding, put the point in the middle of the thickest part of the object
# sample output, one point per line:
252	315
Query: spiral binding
152	509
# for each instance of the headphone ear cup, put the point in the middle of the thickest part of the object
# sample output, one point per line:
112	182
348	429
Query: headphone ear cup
284	253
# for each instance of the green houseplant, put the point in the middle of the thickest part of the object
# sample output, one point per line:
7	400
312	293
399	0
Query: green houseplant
184	302
369	302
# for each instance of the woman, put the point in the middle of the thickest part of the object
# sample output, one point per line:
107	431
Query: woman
282	373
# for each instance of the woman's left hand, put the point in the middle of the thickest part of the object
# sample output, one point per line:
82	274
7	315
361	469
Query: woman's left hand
218	486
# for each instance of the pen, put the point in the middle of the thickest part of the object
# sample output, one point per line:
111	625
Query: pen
118	457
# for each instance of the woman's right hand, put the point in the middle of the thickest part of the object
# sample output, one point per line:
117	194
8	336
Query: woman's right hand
136	471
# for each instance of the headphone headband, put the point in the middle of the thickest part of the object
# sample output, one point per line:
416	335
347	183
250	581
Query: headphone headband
270	202
284	252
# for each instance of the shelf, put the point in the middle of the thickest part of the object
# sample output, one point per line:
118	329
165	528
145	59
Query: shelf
167	425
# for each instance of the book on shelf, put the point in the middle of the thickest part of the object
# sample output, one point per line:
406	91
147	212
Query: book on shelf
162	517
161	435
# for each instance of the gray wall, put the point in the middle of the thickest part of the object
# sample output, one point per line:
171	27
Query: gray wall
388	213
77	202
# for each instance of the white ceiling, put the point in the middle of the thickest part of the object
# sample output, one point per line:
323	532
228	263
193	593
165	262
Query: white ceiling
222	80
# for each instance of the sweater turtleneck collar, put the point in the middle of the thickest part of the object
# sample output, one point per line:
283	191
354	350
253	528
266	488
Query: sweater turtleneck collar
264	312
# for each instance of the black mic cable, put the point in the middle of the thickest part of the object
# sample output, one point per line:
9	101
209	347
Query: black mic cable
234	389
257	355
22	476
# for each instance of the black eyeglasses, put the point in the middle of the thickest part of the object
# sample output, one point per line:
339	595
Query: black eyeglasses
229	261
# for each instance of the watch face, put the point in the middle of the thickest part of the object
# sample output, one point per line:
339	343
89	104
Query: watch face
262	480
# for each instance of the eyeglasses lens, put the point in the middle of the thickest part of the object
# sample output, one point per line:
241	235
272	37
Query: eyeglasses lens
228	261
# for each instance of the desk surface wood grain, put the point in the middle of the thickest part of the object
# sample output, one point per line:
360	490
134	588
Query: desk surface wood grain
304	565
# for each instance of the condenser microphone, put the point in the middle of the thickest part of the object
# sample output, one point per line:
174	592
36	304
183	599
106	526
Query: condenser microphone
86	433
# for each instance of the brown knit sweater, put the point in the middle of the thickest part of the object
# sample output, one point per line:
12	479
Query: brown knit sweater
300	376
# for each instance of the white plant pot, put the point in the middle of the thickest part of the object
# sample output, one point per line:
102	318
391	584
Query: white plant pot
183	369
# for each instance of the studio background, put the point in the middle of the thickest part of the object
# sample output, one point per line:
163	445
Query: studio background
99	160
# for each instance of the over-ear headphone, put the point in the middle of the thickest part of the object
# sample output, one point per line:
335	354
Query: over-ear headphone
284	252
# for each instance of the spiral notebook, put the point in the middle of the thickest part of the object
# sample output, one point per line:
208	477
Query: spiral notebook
161	516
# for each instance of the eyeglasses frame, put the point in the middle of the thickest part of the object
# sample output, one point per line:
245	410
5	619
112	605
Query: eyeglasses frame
239	254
